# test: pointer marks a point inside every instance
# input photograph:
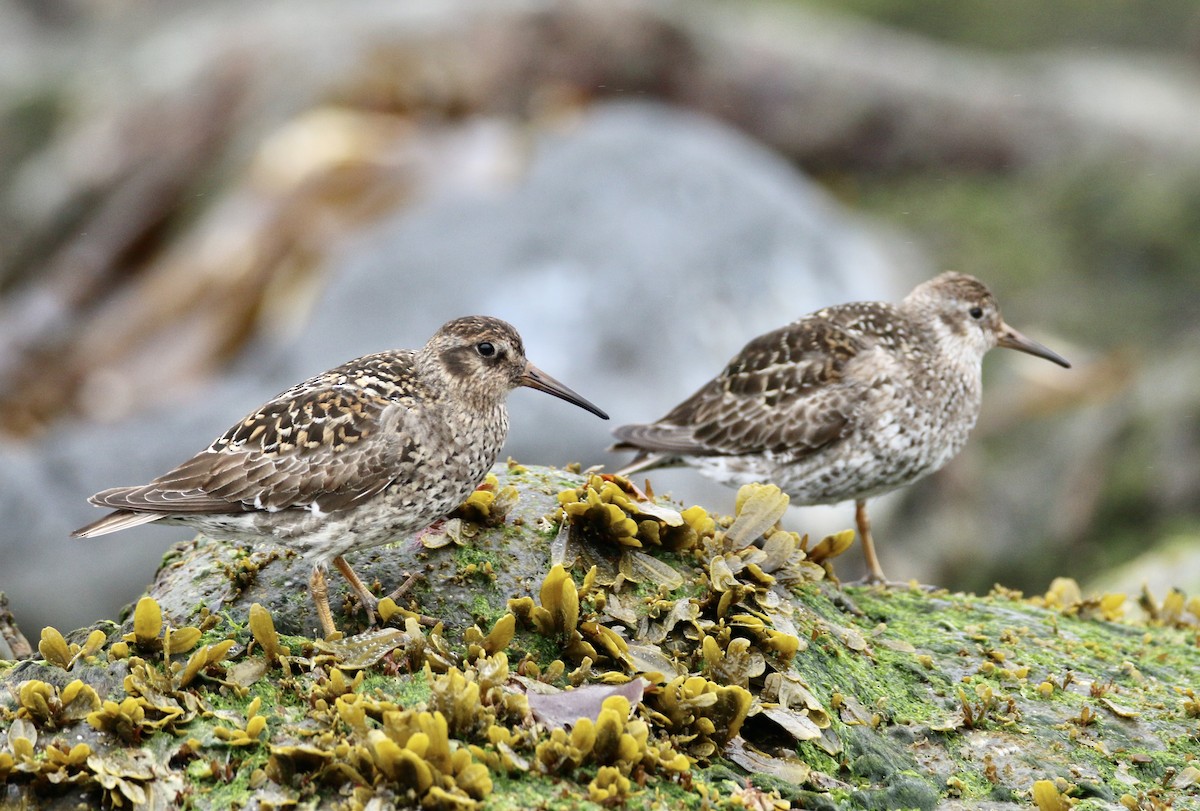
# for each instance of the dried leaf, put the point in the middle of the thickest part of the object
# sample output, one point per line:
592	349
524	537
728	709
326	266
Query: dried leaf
564	708
365	649
638	567
649	660
1117	709
794	722
668	516
247	672
790	770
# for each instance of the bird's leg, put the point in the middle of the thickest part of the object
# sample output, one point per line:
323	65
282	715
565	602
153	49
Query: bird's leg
365	597
319	590
403	588
874	570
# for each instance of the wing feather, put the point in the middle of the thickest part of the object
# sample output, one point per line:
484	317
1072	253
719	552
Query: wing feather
327	443
786	392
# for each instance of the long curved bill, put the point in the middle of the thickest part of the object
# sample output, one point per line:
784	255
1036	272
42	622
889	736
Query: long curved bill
535	378
1011	339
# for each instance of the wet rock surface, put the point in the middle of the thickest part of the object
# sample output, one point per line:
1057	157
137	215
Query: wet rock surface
828	697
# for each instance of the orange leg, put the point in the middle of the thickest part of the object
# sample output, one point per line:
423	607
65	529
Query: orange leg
874	570
319	590
368	600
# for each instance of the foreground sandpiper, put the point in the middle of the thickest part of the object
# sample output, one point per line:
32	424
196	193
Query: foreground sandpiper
352	458
846	403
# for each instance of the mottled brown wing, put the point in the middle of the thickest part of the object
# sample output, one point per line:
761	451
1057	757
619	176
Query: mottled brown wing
326	444
785	392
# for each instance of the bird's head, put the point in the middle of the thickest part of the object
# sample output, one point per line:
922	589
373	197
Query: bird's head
483	359
964	314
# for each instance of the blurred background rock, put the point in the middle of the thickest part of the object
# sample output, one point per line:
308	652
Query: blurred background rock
204	202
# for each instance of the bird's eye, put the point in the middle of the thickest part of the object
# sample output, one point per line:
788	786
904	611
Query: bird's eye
485	348
976	312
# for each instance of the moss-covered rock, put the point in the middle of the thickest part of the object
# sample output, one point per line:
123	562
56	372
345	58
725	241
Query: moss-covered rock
569	644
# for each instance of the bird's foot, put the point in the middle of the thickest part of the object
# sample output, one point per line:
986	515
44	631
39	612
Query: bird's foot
370	603
873	581
403	588
842	600
370	606
400	591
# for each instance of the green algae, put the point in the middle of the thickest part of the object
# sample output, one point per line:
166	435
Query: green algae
929	697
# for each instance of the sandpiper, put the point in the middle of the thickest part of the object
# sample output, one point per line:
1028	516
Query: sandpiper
846	403
352	458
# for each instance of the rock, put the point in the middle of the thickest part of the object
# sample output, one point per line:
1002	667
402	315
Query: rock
1170	565
908	699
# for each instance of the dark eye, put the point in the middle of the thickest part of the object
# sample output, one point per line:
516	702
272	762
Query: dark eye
485	348
976	312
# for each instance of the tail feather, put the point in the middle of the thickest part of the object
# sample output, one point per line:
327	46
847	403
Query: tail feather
114	522
657	445
645	461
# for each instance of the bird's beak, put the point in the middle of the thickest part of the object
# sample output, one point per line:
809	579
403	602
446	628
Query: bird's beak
1011	339
535	378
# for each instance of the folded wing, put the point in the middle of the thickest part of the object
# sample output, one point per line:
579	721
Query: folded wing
786	392
325	445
